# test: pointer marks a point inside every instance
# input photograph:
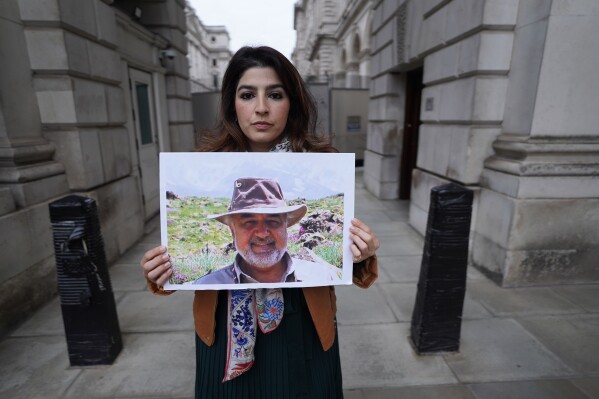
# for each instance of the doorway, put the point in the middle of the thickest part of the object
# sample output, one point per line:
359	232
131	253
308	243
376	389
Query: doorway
409	152
146	139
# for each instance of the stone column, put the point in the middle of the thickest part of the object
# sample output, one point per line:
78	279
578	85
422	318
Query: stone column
27	169
538	219
383	143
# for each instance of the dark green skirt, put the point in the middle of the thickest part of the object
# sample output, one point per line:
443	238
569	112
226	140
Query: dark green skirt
289	361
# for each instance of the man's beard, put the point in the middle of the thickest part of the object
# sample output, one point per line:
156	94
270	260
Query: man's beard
262	260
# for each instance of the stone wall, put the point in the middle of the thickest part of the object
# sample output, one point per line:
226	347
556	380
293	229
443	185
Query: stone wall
506	110
66	126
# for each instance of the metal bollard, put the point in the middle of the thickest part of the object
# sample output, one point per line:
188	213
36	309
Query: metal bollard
437	316
88	308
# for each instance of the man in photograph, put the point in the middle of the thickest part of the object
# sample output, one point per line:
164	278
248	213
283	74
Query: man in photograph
258	218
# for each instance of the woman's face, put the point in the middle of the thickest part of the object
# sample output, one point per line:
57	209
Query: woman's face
262	107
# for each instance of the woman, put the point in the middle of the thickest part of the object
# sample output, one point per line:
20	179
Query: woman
265	106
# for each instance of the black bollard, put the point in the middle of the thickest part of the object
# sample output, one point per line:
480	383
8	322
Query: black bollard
437	316
88	308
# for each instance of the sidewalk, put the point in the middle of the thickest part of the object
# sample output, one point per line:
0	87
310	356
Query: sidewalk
521	343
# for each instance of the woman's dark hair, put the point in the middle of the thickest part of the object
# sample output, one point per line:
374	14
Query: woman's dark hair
301	122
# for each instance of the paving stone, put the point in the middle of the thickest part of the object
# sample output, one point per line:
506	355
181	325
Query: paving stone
35	368
405	245
426	392
47	321
381	356
545	389
585	296
575	339
590	386
400	269
393	229
154	365
401	297
502	350
520	301
127	277
143	312
370	216
359	306
353	394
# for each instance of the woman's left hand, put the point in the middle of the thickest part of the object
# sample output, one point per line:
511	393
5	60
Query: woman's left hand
365	242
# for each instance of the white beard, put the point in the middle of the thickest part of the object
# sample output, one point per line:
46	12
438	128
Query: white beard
264	260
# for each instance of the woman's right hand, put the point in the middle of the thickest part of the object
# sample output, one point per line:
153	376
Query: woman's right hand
156	265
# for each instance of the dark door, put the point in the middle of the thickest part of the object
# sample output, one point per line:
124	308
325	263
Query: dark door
410	136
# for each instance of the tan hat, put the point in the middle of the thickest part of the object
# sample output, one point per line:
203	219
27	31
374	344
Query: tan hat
260	195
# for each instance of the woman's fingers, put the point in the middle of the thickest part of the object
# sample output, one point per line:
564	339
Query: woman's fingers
156	265
365	242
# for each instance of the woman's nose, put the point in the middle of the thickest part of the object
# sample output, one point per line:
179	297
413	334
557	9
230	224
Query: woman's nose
262	105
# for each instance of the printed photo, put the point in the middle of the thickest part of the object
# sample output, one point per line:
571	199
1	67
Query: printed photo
257	220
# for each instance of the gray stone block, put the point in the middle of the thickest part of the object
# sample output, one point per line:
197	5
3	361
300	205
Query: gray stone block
360	306
551	389
47	49
383	137
116	106
121	215
144	312
424	392
116	155
500	12
26	239
505	302
78	57
105	62
585	296
134	374
556	334
33	10
500	350
80	15
79	152
90	101
386	358
590	386
7	203
35	368
106	24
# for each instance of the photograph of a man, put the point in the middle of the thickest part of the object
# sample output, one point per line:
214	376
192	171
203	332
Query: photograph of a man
258	218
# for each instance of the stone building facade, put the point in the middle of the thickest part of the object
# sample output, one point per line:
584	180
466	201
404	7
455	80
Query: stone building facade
498	96
333	42
208	53
90	92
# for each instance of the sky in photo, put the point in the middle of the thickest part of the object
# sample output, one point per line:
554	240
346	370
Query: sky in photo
308	176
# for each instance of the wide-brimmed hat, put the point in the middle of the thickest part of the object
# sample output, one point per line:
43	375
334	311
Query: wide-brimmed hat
260	195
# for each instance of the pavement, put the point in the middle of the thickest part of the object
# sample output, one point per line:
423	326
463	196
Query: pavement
518	343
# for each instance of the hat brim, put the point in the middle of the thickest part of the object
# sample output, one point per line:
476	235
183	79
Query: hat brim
295	213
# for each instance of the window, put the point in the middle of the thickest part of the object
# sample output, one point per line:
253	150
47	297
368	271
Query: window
143	108
214	62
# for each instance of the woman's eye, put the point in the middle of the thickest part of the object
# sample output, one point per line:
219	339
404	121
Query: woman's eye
276	95
246	96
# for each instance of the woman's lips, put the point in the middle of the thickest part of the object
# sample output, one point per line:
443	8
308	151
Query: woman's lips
262	125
